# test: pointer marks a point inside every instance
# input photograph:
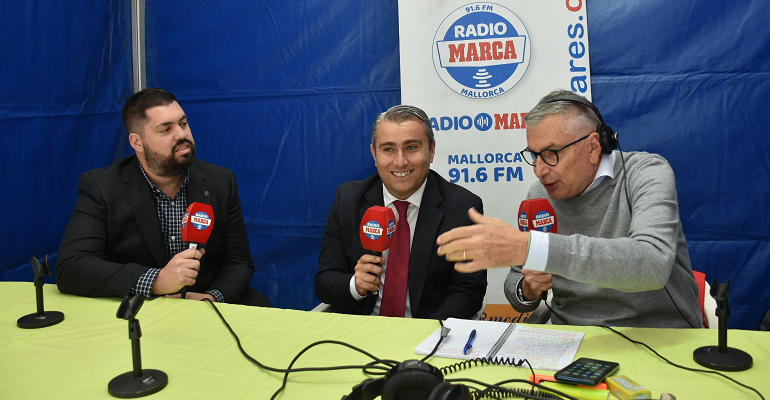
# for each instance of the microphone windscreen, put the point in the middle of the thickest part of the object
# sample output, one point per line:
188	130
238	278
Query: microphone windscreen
377	228
537	214
197	223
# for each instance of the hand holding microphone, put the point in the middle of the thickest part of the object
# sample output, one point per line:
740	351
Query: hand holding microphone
180	272
197	225
376	232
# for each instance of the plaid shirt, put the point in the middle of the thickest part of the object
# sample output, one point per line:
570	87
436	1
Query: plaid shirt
170	213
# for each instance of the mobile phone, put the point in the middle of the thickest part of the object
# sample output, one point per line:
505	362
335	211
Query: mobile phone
586	371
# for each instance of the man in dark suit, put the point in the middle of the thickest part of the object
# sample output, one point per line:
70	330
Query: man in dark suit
124	235
353	281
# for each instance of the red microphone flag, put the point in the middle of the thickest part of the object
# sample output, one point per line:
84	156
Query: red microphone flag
197	224
537	214
377	228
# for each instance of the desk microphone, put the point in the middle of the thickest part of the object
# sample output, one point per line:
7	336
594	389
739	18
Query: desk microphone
537	214
42	318
722	357
138	382
197	224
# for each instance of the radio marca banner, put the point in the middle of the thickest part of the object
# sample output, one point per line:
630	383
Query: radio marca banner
477	68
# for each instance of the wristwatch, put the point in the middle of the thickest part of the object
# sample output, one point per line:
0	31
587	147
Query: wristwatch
520	294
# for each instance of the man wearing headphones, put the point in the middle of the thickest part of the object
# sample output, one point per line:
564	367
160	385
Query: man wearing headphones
620	257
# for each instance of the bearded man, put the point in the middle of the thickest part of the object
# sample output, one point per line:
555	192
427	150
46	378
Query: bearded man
124	235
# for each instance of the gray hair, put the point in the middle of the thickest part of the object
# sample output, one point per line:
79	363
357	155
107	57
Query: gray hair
585	119
401	113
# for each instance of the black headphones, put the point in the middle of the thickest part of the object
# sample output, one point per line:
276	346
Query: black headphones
607	137
410	380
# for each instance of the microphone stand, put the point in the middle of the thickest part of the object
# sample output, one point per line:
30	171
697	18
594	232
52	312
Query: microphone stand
721	357
139	382
41	319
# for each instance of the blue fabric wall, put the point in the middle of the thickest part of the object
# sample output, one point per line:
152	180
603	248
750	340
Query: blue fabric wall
66	71
284	94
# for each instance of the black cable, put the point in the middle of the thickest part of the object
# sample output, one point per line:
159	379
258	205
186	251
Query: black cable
308	347
498	386
625	174
677	309
547	388
666	359
630	210
532	371
681	366
443	334
286	371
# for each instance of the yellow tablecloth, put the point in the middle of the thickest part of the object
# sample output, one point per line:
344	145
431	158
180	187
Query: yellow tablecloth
186	339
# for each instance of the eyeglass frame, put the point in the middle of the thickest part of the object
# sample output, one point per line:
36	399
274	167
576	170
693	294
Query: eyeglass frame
537	154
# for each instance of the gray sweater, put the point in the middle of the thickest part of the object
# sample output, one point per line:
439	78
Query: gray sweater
610	264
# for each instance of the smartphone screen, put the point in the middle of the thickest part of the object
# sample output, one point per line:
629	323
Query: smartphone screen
586	371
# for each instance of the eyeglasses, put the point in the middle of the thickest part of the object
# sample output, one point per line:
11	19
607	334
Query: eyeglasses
549	156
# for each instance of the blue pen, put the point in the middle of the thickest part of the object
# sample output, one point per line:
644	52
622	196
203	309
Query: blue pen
469	345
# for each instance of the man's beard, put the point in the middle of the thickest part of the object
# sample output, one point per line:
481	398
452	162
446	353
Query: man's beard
168	166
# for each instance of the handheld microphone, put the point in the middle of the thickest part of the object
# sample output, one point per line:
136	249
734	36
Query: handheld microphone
377	228
197	225
537	214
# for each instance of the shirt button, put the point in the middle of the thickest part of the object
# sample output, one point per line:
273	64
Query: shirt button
173	237
172	203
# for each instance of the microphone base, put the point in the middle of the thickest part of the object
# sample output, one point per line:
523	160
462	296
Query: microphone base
35	320
127	386
733	360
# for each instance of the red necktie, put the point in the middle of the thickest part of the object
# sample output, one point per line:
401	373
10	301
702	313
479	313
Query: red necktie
397	271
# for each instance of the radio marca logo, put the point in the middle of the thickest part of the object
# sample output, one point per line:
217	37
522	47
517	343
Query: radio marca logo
481	50
372	230
200	220
543	221
523	222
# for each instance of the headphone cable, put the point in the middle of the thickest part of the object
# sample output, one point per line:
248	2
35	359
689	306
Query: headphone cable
664	358
630	210
286	371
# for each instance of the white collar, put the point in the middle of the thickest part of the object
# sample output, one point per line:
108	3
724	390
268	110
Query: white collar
415	198
606	169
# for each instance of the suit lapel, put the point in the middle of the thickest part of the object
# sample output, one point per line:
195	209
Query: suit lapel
425	234
198	188
137	192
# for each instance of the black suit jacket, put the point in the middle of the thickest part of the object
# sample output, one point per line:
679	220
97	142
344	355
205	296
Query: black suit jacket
436	290
114	234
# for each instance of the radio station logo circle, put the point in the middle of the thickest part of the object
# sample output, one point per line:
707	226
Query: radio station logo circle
523	222
482	122
543	221
200	220
391	228
372	229
481	50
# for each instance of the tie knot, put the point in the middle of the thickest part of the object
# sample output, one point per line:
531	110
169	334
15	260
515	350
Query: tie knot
401	206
